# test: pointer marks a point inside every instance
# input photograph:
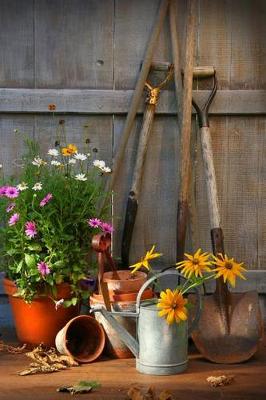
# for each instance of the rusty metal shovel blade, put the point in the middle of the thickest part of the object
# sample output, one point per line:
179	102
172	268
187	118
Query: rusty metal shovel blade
233	343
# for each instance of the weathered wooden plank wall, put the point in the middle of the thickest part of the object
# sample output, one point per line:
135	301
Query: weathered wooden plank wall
99	45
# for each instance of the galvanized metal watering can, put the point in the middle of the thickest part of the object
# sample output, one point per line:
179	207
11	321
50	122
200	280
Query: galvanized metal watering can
160	349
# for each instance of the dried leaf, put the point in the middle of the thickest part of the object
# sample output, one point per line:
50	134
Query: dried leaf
12	349
165	395
45	361
81	387
222	380
134	393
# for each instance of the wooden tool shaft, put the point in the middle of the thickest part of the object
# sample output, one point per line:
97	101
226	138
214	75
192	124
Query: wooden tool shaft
176	60
212	195
136	96
142	147
202	72
222	293
185	164
133	197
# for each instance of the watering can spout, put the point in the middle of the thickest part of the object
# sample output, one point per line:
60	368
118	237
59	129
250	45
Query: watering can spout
123	334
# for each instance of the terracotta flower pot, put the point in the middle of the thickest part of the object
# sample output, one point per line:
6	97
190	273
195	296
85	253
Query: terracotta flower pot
82	338
39	321
115	347
127	283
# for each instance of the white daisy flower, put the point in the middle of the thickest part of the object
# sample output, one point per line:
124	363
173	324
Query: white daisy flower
99	163
72	161
107	170
38	161
80	177
37	186
56	163
88	154
53	152
22	186
79	156
1	166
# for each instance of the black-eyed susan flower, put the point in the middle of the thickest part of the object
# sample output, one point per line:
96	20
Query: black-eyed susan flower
173	306
69	150
144	262
195	264
228	268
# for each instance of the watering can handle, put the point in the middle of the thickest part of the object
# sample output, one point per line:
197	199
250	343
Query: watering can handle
153	278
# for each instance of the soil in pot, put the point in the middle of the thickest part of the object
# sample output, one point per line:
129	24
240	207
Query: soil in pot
39	321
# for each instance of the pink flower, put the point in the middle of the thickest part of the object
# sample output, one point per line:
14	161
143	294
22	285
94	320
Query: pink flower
46	199
10	207
11	192
95	222
13	219
43	268
108	228
3	190
30	229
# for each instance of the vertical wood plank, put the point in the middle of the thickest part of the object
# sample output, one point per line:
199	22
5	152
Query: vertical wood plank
74	43
12	142
17	43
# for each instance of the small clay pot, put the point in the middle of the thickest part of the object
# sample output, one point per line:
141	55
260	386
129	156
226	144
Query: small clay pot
82	338
127	283
39	321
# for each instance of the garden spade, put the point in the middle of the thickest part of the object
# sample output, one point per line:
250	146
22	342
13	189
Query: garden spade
133	197
230	326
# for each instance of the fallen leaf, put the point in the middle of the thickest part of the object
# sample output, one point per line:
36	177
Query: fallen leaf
221	380
79	388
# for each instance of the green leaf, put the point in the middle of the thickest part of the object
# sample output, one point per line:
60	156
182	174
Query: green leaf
35	247
74	301
30	260
11	252
19	266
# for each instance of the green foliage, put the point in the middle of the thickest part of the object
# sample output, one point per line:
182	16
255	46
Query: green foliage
63	235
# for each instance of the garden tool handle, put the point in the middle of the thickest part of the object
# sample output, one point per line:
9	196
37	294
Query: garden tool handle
133	197
145	68
177	274
186	109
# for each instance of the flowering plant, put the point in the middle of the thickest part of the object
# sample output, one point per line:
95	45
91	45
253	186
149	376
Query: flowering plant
196	269
45	220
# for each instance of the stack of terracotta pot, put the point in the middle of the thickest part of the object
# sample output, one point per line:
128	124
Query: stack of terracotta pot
123	294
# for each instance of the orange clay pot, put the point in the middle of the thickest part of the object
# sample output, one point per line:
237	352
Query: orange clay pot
127	283
83	338
39	321
119	302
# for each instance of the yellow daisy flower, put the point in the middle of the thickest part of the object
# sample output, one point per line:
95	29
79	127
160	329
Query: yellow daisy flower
172	305
69	150
195	264
228	268
144	262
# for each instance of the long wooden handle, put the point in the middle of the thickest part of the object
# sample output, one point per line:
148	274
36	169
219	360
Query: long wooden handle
185	165
136	97
217	238
212	194
132	203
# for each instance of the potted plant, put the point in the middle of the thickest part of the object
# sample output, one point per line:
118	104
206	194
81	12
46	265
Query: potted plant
46	237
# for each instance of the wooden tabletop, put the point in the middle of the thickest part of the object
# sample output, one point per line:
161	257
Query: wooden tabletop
117	376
